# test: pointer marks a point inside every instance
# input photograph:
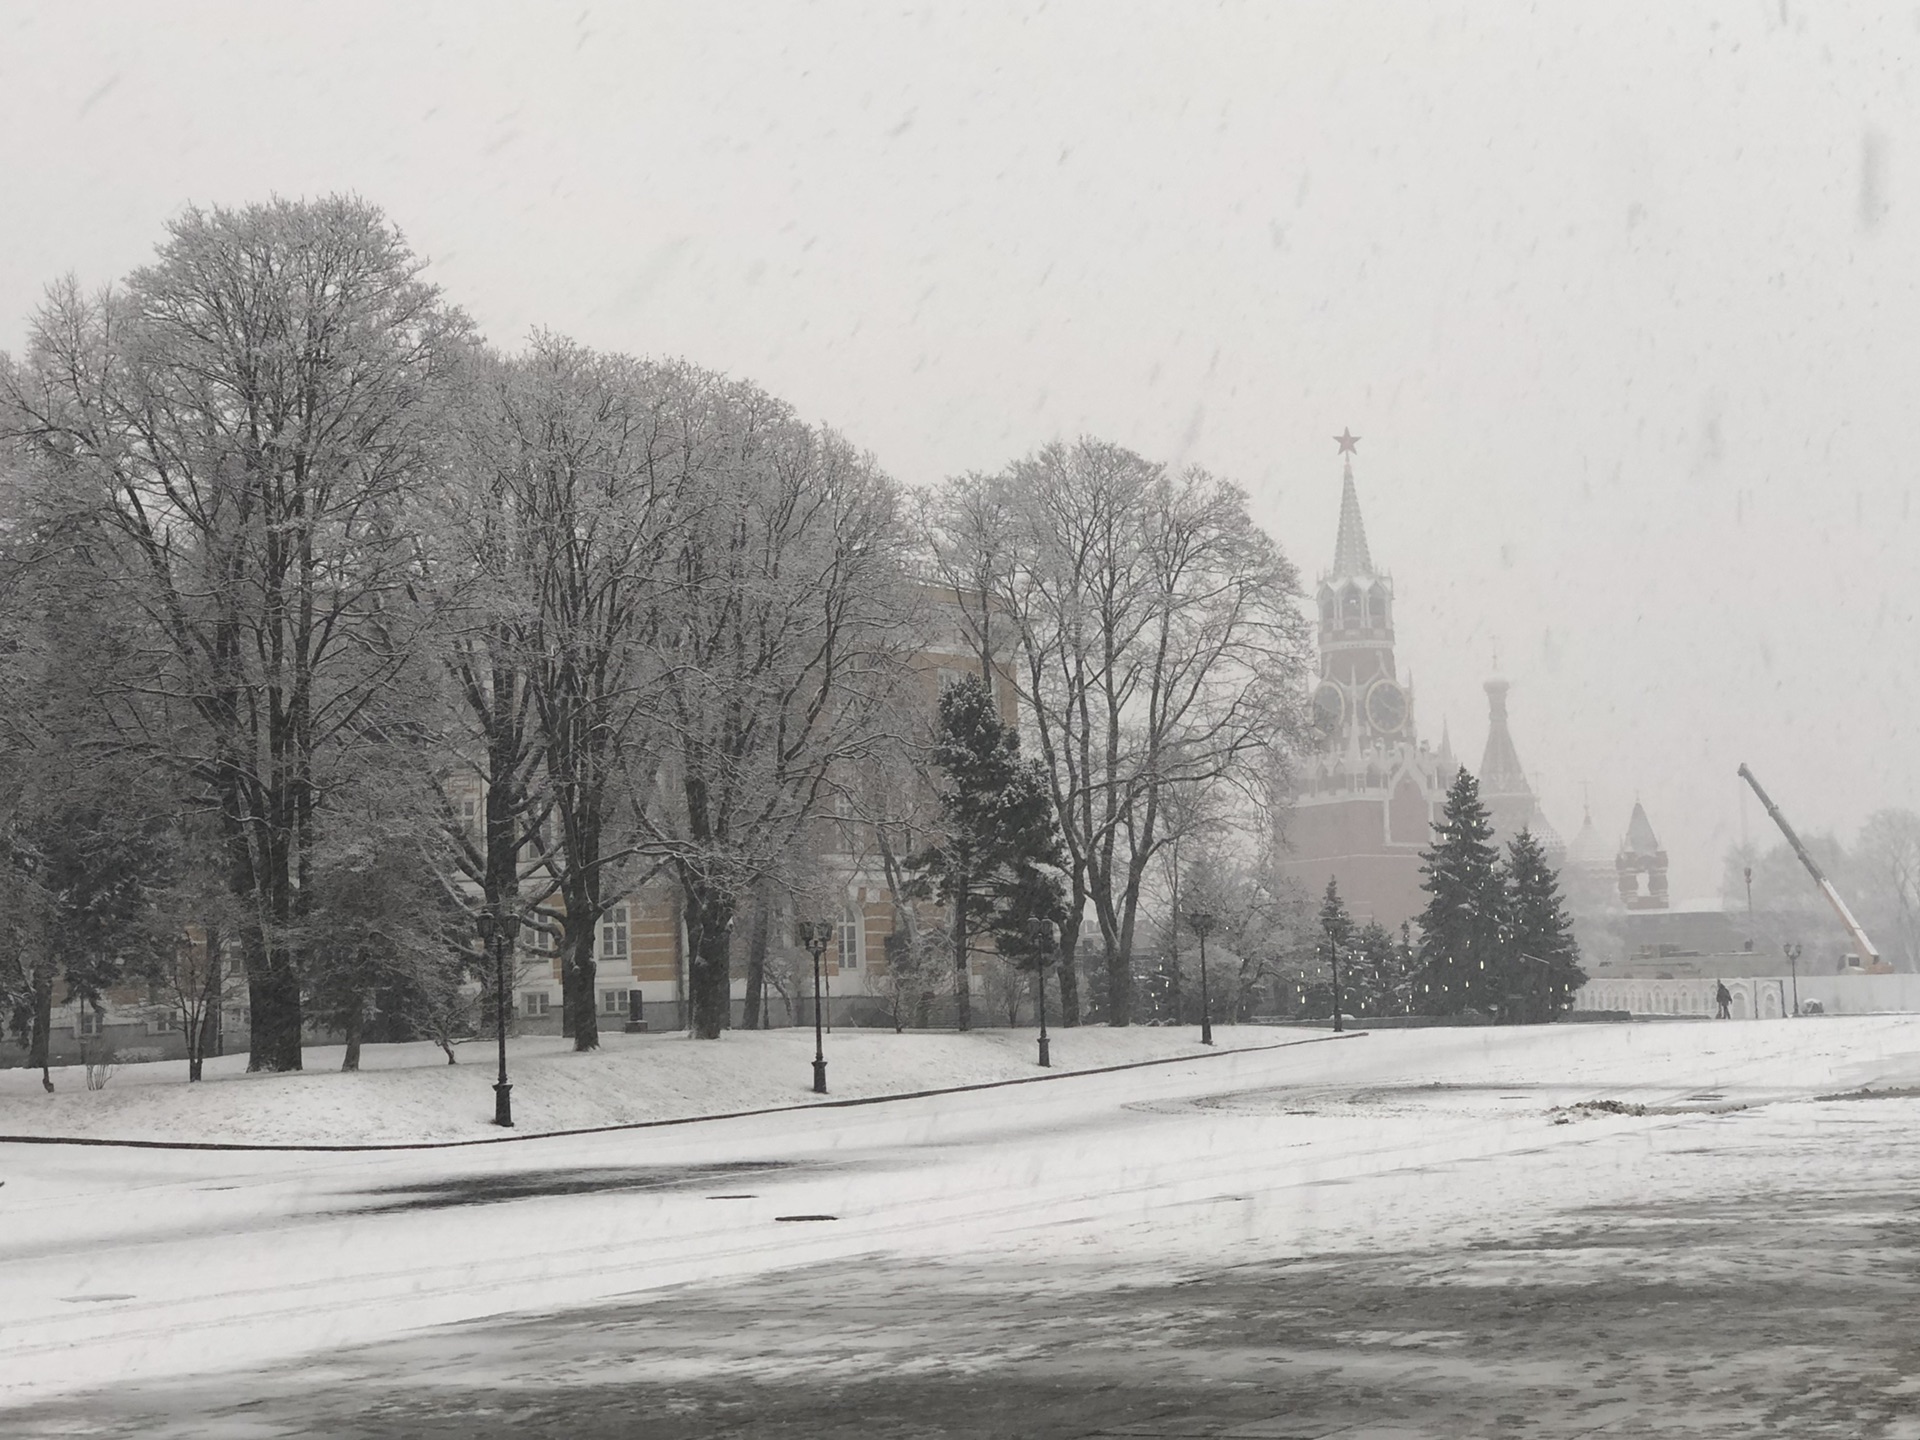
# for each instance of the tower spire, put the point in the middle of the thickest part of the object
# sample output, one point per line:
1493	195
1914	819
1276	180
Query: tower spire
1500	772
1350	556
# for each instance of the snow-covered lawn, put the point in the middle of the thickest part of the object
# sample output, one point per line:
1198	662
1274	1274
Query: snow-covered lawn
409	1094
123	1265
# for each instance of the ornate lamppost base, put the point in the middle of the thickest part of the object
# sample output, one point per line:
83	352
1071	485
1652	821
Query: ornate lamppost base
1206	1032
819	1076
1046	1060
503	1104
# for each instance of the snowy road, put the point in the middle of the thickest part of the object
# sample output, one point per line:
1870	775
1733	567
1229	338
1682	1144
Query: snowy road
143	1266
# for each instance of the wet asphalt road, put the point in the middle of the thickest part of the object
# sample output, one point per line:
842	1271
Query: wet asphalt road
1784	1305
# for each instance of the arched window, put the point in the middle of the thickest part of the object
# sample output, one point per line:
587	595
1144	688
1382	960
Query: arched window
1353	614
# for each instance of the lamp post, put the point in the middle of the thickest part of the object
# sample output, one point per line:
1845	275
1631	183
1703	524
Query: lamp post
1527	989
1336	987
1793	969
497	932
816	935
1042	931
1200	922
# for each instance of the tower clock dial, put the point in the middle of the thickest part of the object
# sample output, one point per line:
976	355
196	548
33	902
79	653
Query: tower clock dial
1329	709
1386	707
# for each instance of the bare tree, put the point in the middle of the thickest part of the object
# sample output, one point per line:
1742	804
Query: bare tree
250	414
188	959
1006	988
1158	649
495	810
1887	860
388	944
580	482
779	638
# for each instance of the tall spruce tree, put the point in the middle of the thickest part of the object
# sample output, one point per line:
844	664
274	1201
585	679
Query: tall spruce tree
1462	929
1336	949
997	815
1544	960
1376	971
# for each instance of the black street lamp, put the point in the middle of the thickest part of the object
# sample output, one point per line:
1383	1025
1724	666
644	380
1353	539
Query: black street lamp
497	933
1043	945
1336	987
1200	922
816	935
1793	969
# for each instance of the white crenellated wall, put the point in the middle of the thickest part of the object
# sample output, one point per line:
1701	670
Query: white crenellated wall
1763	997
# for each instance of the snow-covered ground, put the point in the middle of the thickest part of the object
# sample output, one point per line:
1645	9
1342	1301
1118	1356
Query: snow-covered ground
406	1094
125	1265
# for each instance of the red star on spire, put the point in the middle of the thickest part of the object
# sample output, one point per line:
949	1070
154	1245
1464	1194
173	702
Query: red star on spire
1346	440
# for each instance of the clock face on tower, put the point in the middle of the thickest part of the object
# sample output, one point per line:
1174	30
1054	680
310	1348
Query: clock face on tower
1386	707
1329	709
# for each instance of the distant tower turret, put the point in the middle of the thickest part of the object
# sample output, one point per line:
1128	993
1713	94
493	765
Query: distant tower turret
1641	865
1510	800
1588	878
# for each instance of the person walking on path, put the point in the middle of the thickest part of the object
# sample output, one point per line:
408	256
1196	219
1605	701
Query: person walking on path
1723	997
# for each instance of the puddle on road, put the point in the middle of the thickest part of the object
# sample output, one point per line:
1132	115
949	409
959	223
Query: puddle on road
460	1190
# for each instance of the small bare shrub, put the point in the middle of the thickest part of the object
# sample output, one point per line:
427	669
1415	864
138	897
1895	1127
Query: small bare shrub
100	1064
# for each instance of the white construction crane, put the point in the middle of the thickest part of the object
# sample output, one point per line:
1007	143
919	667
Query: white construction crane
1869	956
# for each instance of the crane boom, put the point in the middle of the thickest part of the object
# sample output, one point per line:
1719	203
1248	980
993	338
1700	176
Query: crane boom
1868	955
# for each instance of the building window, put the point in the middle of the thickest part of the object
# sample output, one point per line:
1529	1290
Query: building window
88	1026
613	934
533	1002
613	1002
541	941
472	821
851	924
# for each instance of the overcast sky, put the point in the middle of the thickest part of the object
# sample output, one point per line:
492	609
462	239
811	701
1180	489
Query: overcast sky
1622	299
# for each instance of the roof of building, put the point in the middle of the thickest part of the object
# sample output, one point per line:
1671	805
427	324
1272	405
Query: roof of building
1350	556
1500	772
1640	837
1550	842
1588	851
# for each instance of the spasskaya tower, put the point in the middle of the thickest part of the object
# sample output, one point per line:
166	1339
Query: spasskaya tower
1365	798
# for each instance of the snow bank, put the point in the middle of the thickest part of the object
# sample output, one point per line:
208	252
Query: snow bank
408	1093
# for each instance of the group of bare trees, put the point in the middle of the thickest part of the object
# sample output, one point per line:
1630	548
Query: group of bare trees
1150	630
334	629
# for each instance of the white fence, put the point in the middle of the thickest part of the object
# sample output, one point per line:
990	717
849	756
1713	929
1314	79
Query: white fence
1762	997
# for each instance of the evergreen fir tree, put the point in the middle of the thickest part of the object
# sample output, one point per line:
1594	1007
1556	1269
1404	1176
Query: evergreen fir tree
1376	971
991	868
1462	928
1336	947
1540	934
